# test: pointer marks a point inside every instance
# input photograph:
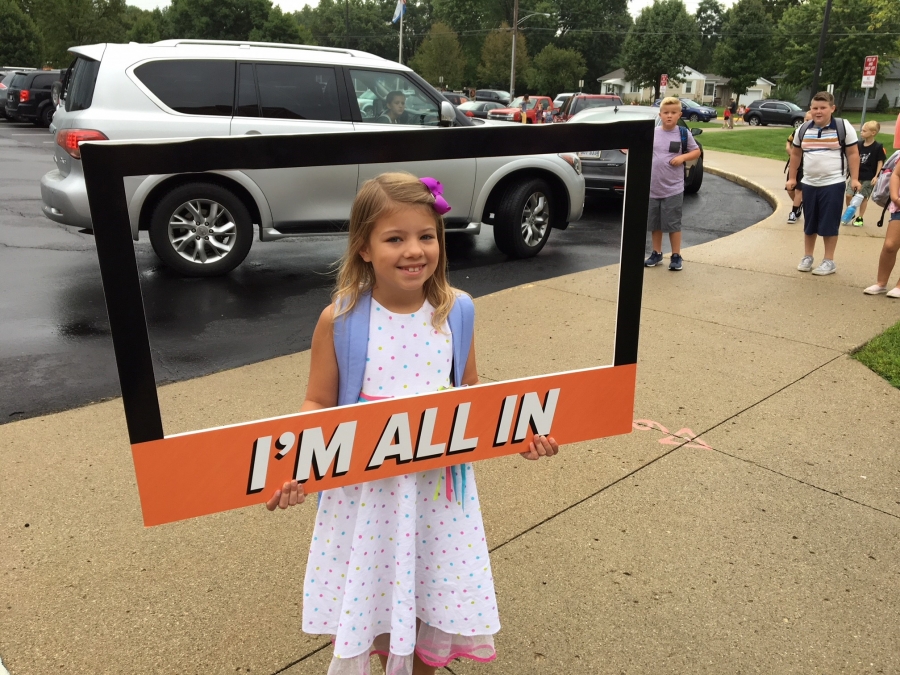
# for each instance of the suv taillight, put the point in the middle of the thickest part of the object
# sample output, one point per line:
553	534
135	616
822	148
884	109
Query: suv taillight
70	139
24	95
469	113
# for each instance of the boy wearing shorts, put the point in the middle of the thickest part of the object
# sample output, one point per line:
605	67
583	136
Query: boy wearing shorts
667	182
827	155
871	158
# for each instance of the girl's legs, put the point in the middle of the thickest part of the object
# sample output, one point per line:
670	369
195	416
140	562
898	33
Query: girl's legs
889	253
419	666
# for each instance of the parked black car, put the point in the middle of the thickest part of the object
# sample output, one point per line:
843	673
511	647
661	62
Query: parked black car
495	95
28	97
479	108
6	79
455	98
773	112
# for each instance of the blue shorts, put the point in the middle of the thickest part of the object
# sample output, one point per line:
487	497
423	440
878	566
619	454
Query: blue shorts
822	208
895	216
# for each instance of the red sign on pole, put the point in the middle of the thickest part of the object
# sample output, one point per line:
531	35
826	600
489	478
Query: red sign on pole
870	68
664	82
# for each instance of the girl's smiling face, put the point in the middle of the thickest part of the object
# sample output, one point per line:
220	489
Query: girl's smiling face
404	251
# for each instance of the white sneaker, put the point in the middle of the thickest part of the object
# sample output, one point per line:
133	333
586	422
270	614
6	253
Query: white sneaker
792	218
825	267
875	289
893	293
806	264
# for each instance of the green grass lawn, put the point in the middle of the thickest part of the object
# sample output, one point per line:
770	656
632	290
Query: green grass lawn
882	355
886	119
763	142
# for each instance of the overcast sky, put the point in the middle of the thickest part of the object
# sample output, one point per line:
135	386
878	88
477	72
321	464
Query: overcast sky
293	5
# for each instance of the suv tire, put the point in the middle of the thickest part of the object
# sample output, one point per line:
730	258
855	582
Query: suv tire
754	121
693	187
184	237
523	219
44	116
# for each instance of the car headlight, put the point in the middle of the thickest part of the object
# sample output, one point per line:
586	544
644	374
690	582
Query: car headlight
573	161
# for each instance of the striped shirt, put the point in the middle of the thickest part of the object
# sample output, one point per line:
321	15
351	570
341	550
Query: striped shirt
822	159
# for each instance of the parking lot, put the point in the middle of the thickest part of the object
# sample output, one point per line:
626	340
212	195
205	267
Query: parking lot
55	351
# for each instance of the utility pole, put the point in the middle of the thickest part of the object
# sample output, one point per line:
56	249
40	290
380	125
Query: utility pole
346	24
512	72
813	89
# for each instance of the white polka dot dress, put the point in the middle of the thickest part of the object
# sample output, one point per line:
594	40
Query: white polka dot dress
401	564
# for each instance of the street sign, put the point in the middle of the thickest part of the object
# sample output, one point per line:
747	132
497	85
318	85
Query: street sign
870	69
663	82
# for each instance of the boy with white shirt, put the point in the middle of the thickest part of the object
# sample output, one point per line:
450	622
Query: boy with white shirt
828	148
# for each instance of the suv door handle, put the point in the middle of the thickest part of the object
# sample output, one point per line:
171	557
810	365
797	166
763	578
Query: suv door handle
252	132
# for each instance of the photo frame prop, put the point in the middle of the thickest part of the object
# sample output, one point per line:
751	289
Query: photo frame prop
208	471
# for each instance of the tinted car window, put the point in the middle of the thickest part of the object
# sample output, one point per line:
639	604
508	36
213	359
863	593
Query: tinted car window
298	92
248	103
585	103
18	80
80	86
193	87
44	81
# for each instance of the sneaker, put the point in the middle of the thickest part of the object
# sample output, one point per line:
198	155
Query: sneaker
675	262
826	267
806	264
875	289
858	222
792	217
893	293
654	259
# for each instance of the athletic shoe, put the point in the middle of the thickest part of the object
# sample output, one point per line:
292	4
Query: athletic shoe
826	267
654	259
792	217
806	264
893	293
875	289
858	222
675	262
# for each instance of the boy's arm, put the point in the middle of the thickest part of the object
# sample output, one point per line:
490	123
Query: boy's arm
687	157
853	162
878	168
796	157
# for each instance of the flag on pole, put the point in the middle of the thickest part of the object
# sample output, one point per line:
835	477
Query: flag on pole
400	11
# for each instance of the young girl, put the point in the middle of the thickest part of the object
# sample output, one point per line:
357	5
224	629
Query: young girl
891	245
398	567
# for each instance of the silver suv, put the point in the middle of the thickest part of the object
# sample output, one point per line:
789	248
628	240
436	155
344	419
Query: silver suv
202	224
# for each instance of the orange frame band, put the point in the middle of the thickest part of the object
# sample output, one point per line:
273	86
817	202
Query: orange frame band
203	472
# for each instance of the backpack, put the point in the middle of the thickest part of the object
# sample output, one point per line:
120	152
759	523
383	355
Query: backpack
881	193
841	129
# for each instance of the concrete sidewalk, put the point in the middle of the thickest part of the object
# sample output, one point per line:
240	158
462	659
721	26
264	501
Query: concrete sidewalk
751	523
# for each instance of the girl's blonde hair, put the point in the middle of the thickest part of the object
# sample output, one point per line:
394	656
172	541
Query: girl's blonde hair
377	198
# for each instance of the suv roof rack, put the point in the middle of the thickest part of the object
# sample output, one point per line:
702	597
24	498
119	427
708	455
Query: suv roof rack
247	43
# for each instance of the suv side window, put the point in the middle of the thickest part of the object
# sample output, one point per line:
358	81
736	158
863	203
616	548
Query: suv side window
297	92
248	102
79	93
44	81
193	87
373	88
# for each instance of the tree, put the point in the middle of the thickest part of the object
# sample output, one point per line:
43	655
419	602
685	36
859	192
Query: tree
282	28
20	42
856	29
710	15
467	18
217	20
745	51
369	25
67	23
556	69
440	55
663	40
496	58
594	28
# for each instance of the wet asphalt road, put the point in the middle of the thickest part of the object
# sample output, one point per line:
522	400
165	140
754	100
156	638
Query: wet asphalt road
55	348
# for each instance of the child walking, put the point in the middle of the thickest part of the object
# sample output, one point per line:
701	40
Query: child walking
399	566
672	147
871	158
796	194
891	245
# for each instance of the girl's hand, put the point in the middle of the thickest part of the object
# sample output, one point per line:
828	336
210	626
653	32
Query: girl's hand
290	494
541	446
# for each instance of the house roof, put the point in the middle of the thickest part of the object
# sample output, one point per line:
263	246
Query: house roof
618	74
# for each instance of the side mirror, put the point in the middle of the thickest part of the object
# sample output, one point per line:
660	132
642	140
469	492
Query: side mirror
696	131
448	114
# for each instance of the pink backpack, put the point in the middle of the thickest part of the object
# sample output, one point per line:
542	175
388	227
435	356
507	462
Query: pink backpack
881	193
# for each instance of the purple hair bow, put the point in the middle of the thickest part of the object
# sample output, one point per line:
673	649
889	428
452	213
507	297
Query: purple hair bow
436	189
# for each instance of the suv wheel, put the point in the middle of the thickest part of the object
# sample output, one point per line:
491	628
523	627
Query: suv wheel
523	219
44	117
201	230
754	121
693	187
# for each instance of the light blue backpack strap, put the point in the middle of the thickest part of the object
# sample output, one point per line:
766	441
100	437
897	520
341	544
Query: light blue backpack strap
462	325
351	336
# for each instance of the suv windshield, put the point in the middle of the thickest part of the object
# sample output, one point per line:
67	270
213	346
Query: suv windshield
79	85
586	103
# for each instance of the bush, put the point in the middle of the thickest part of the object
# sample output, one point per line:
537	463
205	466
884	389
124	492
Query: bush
883	104
784	92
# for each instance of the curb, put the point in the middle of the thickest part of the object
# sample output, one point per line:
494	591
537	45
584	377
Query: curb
768	195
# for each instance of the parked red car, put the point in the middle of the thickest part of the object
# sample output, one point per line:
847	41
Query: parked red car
514	112
579	102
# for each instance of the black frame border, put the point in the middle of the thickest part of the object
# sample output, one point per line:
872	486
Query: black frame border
106	164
